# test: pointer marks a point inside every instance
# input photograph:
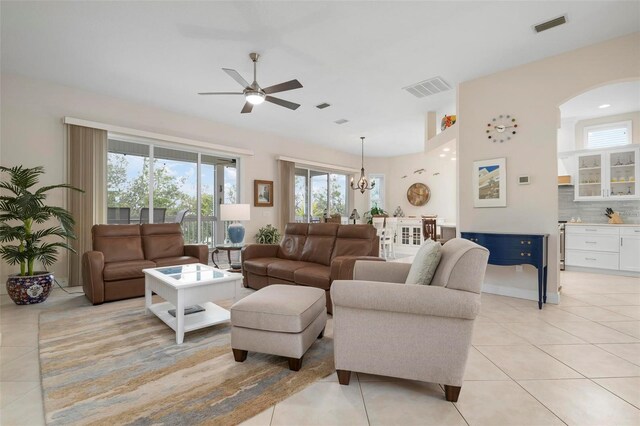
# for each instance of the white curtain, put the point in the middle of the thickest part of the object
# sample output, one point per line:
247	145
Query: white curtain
87	171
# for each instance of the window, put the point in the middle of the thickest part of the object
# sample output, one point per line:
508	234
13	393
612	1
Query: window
176	185
376	195
319	194
607	135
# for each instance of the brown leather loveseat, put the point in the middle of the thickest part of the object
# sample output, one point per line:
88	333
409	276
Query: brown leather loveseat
311	255
113	270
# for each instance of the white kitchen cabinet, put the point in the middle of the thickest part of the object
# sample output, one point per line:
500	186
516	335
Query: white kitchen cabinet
607	175
630	249
604	247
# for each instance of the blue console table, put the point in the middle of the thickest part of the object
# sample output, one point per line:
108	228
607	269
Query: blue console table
517	249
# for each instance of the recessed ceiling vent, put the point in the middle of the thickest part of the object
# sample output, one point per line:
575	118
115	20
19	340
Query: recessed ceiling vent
560	20
428	87
341	121
323	105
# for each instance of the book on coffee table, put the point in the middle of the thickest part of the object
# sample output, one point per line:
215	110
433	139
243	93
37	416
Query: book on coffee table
188	310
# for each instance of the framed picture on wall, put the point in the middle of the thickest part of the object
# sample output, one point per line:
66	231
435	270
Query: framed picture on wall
263	193
490	183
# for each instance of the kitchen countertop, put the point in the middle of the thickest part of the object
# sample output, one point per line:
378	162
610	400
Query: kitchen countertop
601	224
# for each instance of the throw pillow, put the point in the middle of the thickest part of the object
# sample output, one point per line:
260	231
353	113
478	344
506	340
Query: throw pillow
425	263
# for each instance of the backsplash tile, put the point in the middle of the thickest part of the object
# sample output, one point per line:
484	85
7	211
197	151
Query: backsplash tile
593	211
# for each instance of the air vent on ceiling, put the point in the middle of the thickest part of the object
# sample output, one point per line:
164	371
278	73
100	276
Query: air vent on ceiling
341	121
550	24
323	105
428	87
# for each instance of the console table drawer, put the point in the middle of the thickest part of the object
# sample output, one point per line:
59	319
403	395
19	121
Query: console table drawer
592	259
592	230
593	242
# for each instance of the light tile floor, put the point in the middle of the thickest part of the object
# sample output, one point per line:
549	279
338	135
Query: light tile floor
577	363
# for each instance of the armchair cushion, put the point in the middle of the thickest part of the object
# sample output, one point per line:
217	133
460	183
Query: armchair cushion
402	298
425	263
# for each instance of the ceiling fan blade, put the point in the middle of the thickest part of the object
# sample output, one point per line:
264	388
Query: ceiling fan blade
236	76
283	87
220	93
247	108
282	102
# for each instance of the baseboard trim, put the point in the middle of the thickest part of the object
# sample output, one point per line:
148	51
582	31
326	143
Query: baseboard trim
602	271
519	293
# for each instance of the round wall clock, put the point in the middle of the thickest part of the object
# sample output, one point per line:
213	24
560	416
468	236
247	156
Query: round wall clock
501	128
418	194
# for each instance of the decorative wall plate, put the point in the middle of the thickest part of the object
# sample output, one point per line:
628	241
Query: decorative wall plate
501	128
418	194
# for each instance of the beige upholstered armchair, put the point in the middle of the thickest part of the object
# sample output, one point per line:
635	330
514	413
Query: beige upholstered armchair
418	332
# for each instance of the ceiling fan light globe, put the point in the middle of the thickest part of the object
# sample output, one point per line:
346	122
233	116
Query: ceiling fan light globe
255	98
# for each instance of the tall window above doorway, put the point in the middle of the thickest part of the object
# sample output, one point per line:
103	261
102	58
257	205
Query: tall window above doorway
376	195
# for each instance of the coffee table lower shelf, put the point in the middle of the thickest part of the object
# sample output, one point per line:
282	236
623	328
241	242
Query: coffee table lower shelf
212	315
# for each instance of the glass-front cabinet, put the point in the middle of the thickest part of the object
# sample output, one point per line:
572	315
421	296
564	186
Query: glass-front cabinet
605	175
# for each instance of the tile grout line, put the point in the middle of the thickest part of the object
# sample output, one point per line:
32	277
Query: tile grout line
364	404
612	393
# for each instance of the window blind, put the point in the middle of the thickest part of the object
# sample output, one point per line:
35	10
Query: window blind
608	137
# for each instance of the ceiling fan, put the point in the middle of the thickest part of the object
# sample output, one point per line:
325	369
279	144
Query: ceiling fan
254	94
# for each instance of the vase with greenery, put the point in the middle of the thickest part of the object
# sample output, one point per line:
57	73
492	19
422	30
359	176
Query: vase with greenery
26	232
374	211
268	235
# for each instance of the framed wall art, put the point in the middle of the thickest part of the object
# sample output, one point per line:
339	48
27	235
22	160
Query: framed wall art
490	183
263	193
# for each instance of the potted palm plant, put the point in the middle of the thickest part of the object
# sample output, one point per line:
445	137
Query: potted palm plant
268	235
23	218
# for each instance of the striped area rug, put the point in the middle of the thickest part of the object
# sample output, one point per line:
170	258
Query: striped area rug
112	365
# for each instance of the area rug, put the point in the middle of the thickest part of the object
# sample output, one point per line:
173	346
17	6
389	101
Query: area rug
112	365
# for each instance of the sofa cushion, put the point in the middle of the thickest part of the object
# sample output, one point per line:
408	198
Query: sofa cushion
281	308
259	266
425	263
295	235
285	268
161	240
118	242
315	276
355	240
114	271
178	260
319	244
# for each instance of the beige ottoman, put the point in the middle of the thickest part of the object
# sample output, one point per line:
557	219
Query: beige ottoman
280	320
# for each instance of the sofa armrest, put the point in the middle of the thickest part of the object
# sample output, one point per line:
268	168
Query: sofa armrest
342	266
92	282
199	251
254	251
405	298
389	272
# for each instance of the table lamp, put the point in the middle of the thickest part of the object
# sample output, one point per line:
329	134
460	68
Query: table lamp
235	213
354	216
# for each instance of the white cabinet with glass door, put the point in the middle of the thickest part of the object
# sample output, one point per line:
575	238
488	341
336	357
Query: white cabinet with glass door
605	175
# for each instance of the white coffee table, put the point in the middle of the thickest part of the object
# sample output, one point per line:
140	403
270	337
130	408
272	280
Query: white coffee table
186	285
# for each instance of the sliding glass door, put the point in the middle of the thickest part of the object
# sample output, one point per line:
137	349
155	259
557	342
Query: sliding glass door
155	184
319	195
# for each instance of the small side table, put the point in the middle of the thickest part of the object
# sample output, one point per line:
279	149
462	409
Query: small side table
228	248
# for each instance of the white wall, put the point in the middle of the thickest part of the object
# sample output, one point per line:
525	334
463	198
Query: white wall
440	177
33	134
532	93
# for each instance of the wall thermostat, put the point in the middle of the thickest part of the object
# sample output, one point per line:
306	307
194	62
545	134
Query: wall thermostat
524	180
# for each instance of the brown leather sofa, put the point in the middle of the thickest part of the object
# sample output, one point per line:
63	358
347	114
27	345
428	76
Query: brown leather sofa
311	255
113	270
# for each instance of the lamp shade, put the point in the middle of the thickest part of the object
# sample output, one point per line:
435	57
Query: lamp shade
229	212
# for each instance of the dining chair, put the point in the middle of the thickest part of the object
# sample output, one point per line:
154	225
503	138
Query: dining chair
429	229
158	215
389	234
118	215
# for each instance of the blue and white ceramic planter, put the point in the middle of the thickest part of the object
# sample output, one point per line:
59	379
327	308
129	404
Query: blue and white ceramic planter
27	290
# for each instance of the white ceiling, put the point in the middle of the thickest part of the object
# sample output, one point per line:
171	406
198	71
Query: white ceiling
623	98
355	55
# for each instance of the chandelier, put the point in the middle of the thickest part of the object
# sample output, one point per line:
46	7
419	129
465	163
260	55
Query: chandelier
363	183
